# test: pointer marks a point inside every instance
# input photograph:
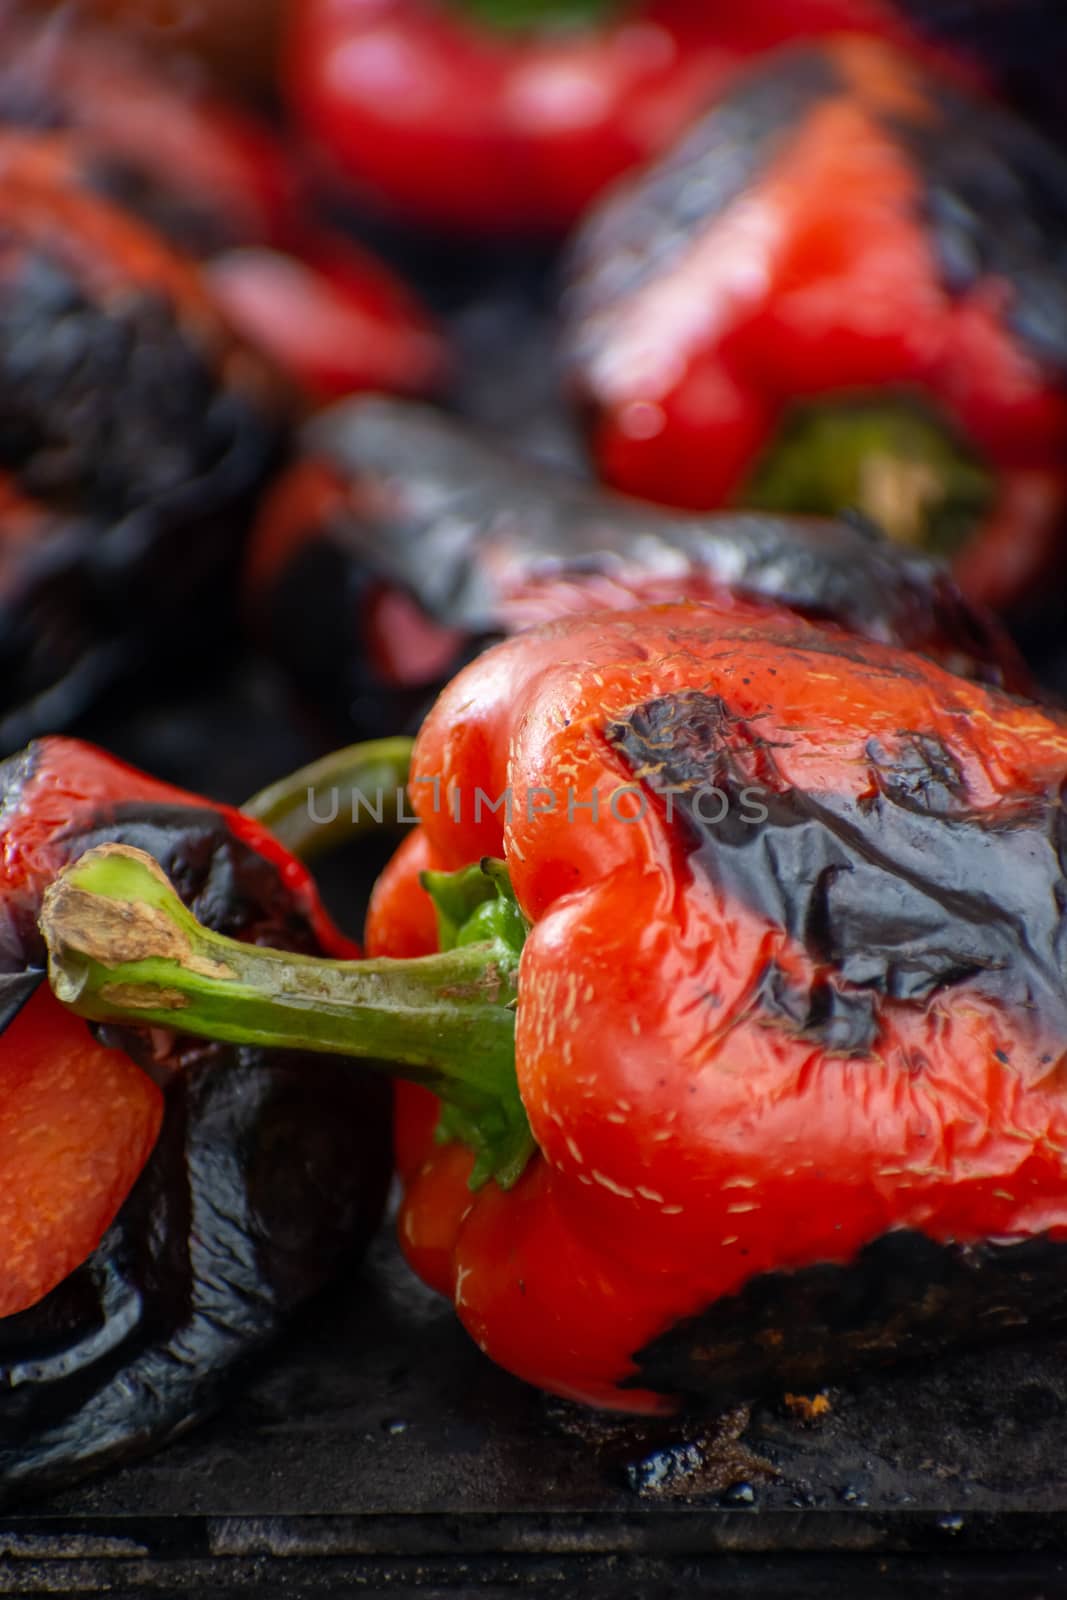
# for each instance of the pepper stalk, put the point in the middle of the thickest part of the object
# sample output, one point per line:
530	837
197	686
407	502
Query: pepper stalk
123	948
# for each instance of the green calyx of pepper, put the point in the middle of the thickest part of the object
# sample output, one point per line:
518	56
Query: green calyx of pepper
474	906
123	948
894	460
515	16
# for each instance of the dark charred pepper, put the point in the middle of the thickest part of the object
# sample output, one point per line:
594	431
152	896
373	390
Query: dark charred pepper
404	540
748	1016
216	182
845	287
163	1204
135	434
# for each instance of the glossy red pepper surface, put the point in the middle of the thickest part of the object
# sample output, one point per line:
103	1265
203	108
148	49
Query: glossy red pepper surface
845	224
461	124
749	1050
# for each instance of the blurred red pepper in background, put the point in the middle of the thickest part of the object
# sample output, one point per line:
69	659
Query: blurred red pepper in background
332	316
505	116
215	179
844	288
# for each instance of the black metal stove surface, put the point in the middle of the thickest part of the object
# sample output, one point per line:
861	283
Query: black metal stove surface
381	1451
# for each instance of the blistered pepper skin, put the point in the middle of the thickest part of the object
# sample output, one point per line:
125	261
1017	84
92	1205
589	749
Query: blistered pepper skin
844	223
165	1204
787	1068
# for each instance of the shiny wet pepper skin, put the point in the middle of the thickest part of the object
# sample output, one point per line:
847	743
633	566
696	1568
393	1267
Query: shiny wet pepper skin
791	1054
843	225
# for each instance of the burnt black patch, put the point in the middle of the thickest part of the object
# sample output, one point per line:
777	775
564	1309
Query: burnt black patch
15	989
904	1298
111	405
899	894
267	1179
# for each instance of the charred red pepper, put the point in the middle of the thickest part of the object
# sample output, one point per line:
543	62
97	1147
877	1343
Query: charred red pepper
216	181
778	918
238	39
504	116
163	1204
844	287
404	541
135	434
204	171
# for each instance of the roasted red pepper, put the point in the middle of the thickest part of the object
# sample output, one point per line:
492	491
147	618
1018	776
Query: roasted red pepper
215	180
238	39
504	116
844	287
783	917
167	144
136	431
129	1297
405	540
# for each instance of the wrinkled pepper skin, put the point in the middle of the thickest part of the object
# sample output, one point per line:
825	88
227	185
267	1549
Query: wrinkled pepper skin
135	434
165	1204
844	224
465	125
794	1078
216	182
403	541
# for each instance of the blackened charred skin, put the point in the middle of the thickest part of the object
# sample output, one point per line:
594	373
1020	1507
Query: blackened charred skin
113	408
897	895
992	190
904	1298
145	464
267	1179
458	524
15	989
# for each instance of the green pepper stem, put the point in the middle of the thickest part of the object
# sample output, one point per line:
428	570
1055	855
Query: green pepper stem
324	805
123	948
